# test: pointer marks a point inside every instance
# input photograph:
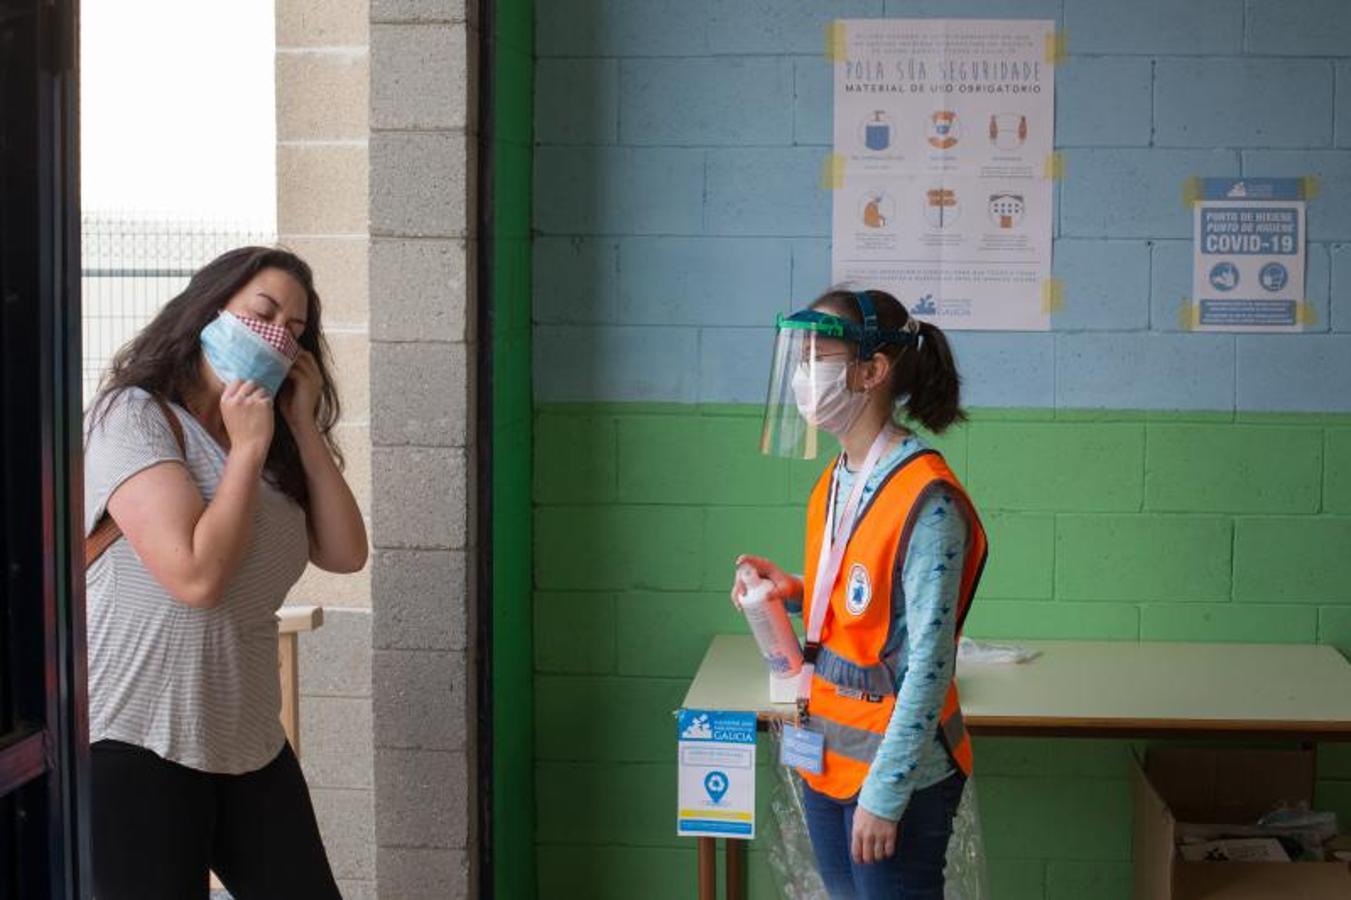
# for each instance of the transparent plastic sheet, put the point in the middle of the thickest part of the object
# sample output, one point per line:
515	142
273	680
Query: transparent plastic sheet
790	848
966	878
794	864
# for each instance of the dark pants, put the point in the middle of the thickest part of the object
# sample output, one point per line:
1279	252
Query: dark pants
159	826
915	872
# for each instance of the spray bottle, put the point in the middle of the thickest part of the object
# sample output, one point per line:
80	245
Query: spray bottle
773	633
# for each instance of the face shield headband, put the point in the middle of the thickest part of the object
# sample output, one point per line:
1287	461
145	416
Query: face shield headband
869	336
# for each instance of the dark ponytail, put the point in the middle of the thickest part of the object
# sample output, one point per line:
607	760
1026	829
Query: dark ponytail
927	377
924	375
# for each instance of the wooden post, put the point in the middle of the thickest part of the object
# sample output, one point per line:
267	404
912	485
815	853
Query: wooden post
736	869
708	868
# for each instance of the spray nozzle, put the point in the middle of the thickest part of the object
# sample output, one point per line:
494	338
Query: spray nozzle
754	589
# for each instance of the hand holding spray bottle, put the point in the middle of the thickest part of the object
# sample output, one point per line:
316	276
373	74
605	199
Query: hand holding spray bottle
773	632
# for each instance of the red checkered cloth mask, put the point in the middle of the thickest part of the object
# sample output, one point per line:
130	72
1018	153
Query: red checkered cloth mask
247	349
279	337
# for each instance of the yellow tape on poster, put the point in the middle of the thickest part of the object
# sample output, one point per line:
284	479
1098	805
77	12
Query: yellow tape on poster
1188	314
1306	313
1057	48
1054	167
1052	296
1309	187
1191	191
832	172
837	41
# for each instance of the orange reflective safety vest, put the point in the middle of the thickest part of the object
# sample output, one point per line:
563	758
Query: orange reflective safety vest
854	685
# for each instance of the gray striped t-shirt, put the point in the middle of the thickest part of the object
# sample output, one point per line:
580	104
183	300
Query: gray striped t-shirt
196	686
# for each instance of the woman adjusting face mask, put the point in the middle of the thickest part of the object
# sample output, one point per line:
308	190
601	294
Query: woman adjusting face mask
813	386
213	483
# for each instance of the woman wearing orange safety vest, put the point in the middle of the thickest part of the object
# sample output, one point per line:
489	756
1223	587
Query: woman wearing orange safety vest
894	552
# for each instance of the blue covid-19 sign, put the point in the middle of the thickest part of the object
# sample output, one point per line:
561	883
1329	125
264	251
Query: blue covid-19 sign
1248	273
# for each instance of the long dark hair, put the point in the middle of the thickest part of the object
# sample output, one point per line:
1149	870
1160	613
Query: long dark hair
165	358
924	378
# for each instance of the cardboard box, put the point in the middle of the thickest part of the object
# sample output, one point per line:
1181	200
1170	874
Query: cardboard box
1223	787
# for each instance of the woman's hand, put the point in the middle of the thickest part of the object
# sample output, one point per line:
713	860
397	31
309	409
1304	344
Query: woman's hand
246	410
337	532
300	394
786	587
874	837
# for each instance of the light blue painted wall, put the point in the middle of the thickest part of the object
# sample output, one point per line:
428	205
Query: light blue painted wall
678	204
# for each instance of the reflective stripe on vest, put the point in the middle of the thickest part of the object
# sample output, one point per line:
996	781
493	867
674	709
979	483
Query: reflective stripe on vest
842	673
856	743
859	652
954	729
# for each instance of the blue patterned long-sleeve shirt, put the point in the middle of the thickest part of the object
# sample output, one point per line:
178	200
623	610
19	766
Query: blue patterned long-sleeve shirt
924	604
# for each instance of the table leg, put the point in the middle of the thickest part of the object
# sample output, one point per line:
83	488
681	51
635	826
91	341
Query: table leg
289	665
708	868
736	869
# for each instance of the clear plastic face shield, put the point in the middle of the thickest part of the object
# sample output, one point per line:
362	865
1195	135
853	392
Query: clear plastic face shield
810	398
812	357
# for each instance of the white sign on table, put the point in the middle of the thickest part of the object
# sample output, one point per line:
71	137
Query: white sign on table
1248	268
943	164
716	752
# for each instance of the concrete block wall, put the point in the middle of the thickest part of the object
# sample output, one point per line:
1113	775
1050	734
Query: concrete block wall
1140	482
677	170
322	72
422	354
374	189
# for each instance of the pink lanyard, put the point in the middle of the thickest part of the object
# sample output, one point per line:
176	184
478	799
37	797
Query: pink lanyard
833	544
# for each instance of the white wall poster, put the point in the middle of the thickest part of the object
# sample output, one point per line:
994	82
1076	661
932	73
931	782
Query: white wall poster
943	143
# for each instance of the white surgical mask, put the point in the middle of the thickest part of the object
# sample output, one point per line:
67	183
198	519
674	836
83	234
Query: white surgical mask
248	350
825	400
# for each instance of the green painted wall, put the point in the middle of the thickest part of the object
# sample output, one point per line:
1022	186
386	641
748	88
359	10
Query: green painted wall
1116	525
513	796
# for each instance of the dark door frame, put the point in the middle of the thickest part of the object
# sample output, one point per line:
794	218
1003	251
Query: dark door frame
44	754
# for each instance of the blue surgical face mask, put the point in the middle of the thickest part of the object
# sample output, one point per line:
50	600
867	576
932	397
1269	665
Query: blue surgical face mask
235	352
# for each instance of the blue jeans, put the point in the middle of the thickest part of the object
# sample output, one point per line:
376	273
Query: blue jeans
915	872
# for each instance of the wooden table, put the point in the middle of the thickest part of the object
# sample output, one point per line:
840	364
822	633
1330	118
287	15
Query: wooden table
1085	689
